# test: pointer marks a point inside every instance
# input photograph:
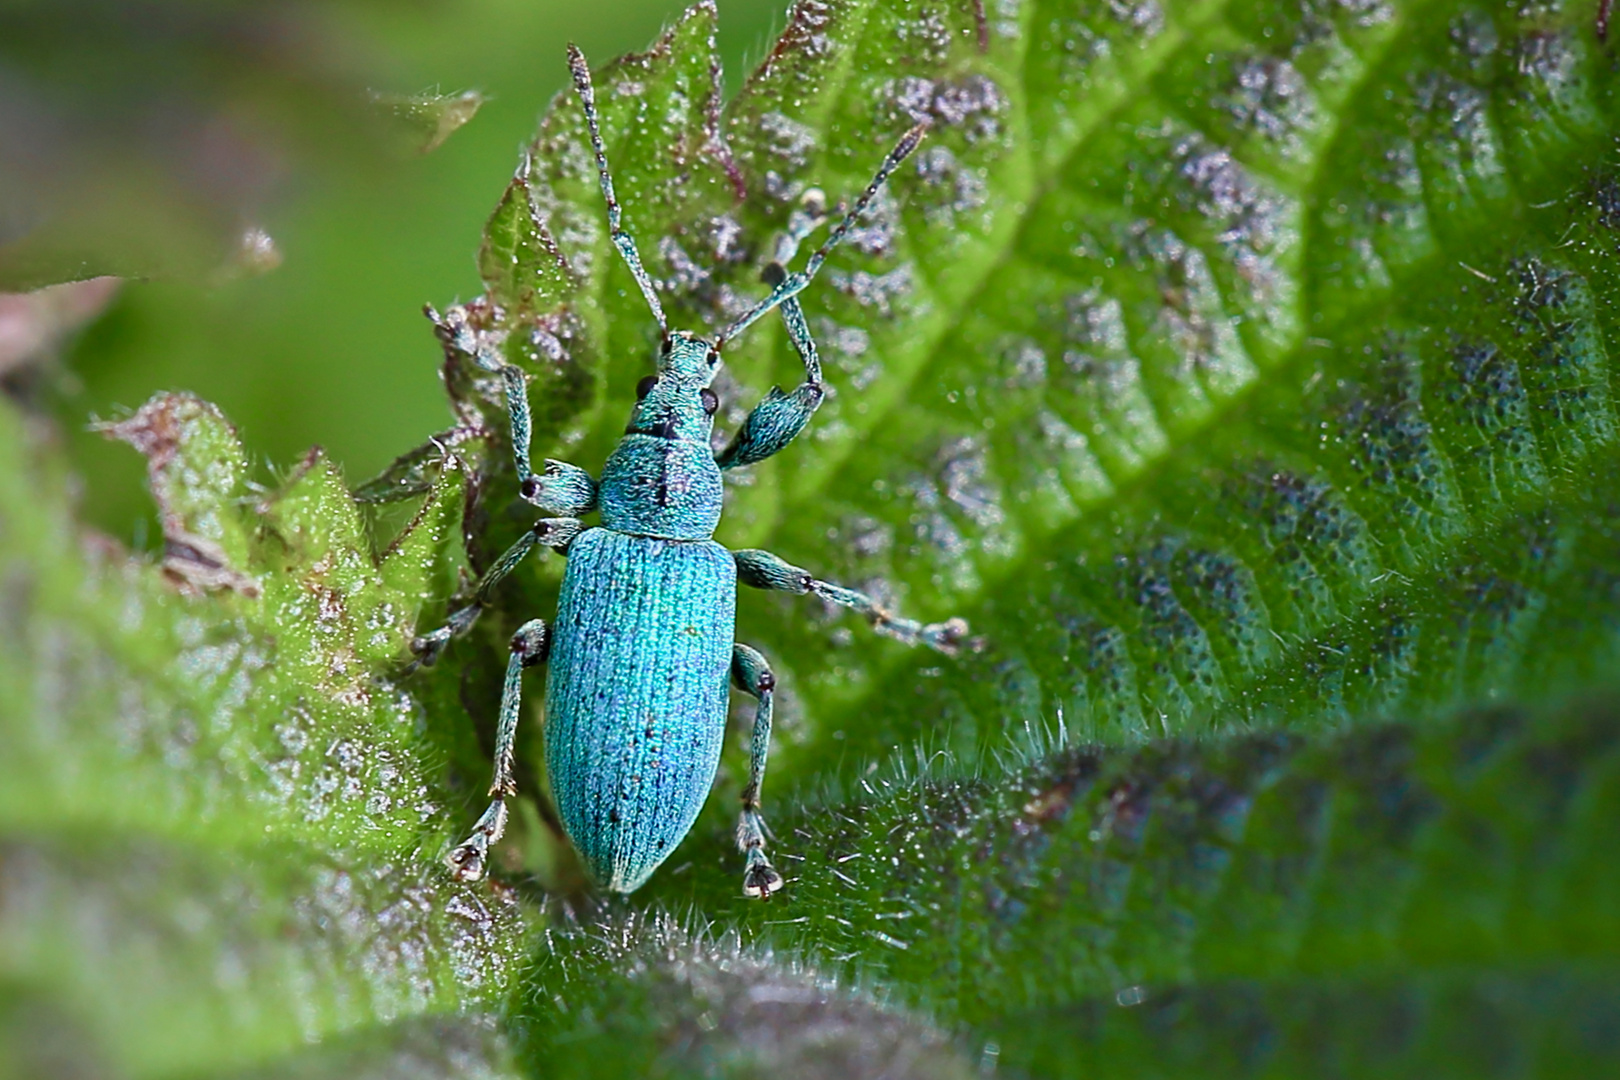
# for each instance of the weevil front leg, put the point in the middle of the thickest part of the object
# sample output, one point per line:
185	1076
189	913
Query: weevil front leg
554	533
778	419
753	676
530	646
559	488
762	570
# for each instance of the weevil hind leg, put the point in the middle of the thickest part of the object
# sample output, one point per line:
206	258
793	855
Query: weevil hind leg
763	570
469	859
752	675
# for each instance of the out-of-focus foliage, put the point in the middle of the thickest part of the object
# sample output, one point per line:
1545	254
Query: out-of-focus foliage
1240	372
199	143
218	816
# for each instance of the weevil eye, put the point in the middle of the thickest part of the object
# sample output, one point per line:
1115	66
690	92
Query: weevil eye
644	387
711	401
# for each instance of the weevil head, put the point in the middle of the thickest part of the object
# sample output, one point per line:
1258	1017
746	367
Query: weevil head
676	403
688	359
663	480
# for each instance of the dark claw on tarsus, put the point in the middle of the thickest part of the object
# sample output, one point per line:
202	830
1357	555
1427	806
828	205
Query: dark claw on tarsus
426	649
760	881
466	862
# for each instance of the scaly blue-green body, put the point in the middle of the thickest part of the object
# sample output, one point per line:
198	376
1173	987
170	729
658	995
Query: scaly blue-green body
642	646
636	695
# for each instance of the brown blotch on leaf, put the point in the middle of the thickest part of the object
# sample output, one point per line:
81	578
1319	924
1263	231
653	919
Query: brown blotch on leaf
195	563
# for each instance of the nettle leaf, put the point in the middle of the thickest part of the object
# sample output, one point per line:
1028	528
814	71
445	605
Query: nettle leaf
220	810
1232	372
1241	373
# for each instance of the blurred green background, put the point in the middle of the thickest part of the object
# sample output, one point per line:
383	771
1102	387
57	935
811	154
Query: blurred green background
329	348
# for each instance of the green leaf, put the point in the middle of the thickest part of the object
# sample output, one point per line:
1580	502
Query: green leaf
220	817
1241	373
1271	899
1230	371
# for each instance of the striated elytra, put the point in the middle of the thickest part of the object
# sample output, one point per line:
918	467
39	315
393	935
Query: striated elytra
643	647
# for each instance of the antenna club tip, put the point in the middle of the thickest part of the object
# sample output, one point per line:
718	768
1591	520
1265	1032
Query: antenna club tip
577	64
910	141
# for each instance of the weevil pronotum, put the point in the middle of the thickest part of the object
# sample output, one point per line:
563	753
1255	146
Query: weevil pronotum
642	647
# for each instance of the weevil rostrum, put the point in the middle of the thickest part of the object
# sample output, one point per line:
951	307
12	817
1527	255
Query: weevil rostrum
642	648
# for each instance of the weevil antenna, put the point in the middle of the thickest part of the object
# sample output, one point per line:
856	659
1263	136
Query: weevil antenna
621	239
793	284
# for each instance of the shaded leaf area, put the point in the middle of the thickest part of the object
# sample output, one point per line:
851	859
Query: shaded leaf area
221	816
1250	905
1449	1024
636	994
39	1039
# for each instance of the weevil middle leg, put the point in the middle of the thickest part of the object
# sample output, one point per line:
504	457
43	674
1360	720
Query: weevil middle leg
560	488
752	674
763	570
554	533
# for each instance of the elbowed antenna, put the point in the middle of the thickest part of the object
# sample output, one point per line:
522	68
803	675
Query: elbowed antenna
793	284
621	239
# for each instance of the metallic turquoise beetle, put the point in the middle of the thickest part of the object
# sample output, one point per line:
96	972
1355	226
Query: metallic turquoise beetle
643	647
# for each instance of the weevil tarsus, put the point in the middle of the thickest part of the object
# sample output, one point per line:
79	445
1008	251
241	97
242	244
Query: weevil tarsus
530	646
752	675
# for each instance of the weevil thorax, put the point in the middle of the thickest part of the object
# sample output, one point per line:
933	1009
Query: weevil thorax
662	479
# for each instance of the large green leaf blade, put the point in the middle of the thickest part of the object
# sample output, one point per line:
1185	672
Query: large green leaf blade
1243	374
1230	370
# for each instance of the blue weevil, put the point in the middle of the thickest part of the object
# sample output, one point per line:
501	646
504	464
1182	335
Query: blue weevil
642	647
